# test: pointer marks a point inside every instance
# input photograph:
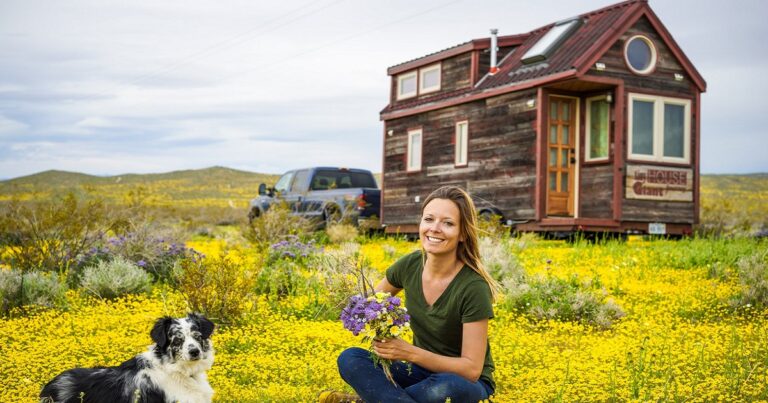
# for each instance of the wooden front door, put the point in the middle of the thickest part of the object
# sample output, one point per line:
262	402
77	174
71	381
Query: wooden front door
561	153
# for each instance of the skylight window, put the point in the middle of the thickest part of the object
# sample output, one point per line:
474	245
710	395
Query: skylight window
551	40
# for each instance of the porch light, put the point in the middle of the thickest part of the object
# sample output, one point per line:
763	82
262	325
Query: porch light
531	103
600	66
678	77
390	132
609	98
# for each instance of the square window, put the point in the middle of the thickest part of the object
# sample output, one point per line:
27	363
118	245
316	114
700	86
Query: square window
406	85
429	79
659	129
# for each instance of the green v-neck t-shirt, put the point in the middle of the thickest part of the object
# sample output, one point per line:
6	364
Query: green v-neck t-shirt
438	328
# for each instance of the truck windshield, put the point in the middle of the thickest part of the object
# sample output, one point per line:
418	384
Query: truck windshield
328	179
284	181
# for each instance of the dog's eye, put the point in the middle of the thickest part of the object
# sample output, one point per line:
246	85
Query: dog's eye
177	342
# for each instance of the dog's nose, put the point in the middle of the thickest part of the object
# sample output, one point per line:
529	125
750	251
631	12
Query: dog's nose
194	352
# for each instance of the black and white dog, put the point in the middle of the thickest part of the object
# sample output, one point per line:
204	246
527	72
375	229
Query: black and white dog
171	370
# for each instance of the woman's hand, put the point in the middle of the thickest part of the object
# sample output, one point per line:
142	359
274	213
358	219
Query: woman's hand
394	349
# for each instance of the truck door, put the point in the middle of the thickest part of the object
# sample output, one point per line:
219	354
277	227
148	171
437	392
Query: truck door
298	191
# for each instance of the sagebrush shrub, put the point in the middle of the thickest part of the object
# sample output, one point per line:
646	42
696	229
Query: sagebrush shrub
339	233
41	289
219	287
753	276
342	271
543	297
547	298
276	224
115	278
288	269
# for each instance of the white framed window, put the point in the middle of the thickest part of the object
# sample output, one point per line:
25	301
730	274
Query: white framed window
462	142
640	54
406	85
598	129
659	128
414	150
429	79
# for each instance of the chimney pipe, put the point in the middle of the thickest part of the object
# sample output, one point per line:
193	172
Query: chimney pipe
494	46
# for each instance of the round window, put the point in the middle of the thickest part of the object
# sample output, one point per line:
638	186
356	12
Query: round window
640	54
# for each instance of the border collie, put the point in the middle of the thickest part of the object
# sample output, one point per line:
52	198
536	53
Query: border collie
171	370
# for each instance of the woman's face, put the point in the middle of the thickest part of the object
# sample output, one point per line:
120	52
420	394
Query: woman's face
440	227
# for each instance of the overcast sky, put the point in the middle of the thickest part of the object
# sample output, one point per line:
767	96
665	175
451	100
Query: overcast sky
110	87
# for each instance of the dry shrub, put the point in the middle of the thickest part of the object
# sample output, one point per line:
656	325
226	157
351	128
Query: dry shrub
339	233
218	287
276	224
49	235
753	276
115	278
19	289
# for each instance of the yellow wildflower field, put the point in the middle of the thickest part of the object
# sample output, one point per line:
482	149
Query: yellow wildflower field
679	340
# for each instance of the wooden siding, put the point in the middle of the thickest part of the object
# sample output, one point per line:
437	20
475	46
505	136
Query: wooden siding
596	191
501	164
455	73
485	58
660	81
657	211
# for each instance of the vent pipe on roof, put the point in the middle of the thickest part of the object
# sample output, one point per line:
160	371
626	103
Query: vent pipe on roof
494	46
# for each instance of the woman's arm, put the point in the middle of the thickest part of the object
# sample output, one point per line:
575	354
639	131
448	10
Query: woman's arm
469	365
385	286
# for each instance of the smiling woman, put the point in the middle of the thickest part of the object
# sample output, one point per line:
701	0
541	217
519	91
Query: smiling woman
449	297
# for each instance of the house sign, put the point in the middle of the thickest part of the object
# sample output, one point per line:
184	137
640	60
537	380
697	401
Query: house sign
659	183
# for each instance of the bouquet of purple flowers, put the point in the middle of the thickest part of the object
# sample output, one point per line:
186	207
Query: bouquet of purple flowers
378	316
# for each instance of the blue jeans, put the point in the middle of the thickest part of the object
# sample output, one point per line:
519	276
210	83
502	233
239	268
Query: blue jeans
415	385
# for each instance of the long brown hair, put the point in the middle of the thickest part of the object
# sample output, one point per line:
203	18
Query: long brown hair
469	250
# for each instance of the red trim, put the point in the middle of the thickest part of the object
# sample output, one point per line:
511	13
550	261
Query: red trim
408	149
657	93
697	161
476	44
618	150
675	49
487	94
383	172
579	221
607	39
585	62
456	141
402	229
659	163
540	191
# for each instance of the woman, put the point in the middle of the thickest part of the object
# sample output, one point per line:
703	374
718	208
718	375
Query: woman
449	297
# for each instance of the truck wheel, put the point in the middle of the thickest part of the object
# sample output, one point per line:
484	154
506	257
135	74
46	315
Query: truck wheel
331	215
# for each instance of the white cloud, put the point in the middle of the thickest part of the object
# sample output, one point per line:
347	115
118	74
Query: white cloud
148	86
11	127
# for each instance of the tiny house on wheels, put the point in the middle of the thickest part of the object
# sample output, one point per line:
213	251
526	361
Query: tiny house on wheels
588	124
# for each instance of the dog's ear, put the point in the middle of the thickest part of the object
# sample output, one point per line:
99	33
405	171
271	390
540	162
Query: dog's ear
203	324
159	332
